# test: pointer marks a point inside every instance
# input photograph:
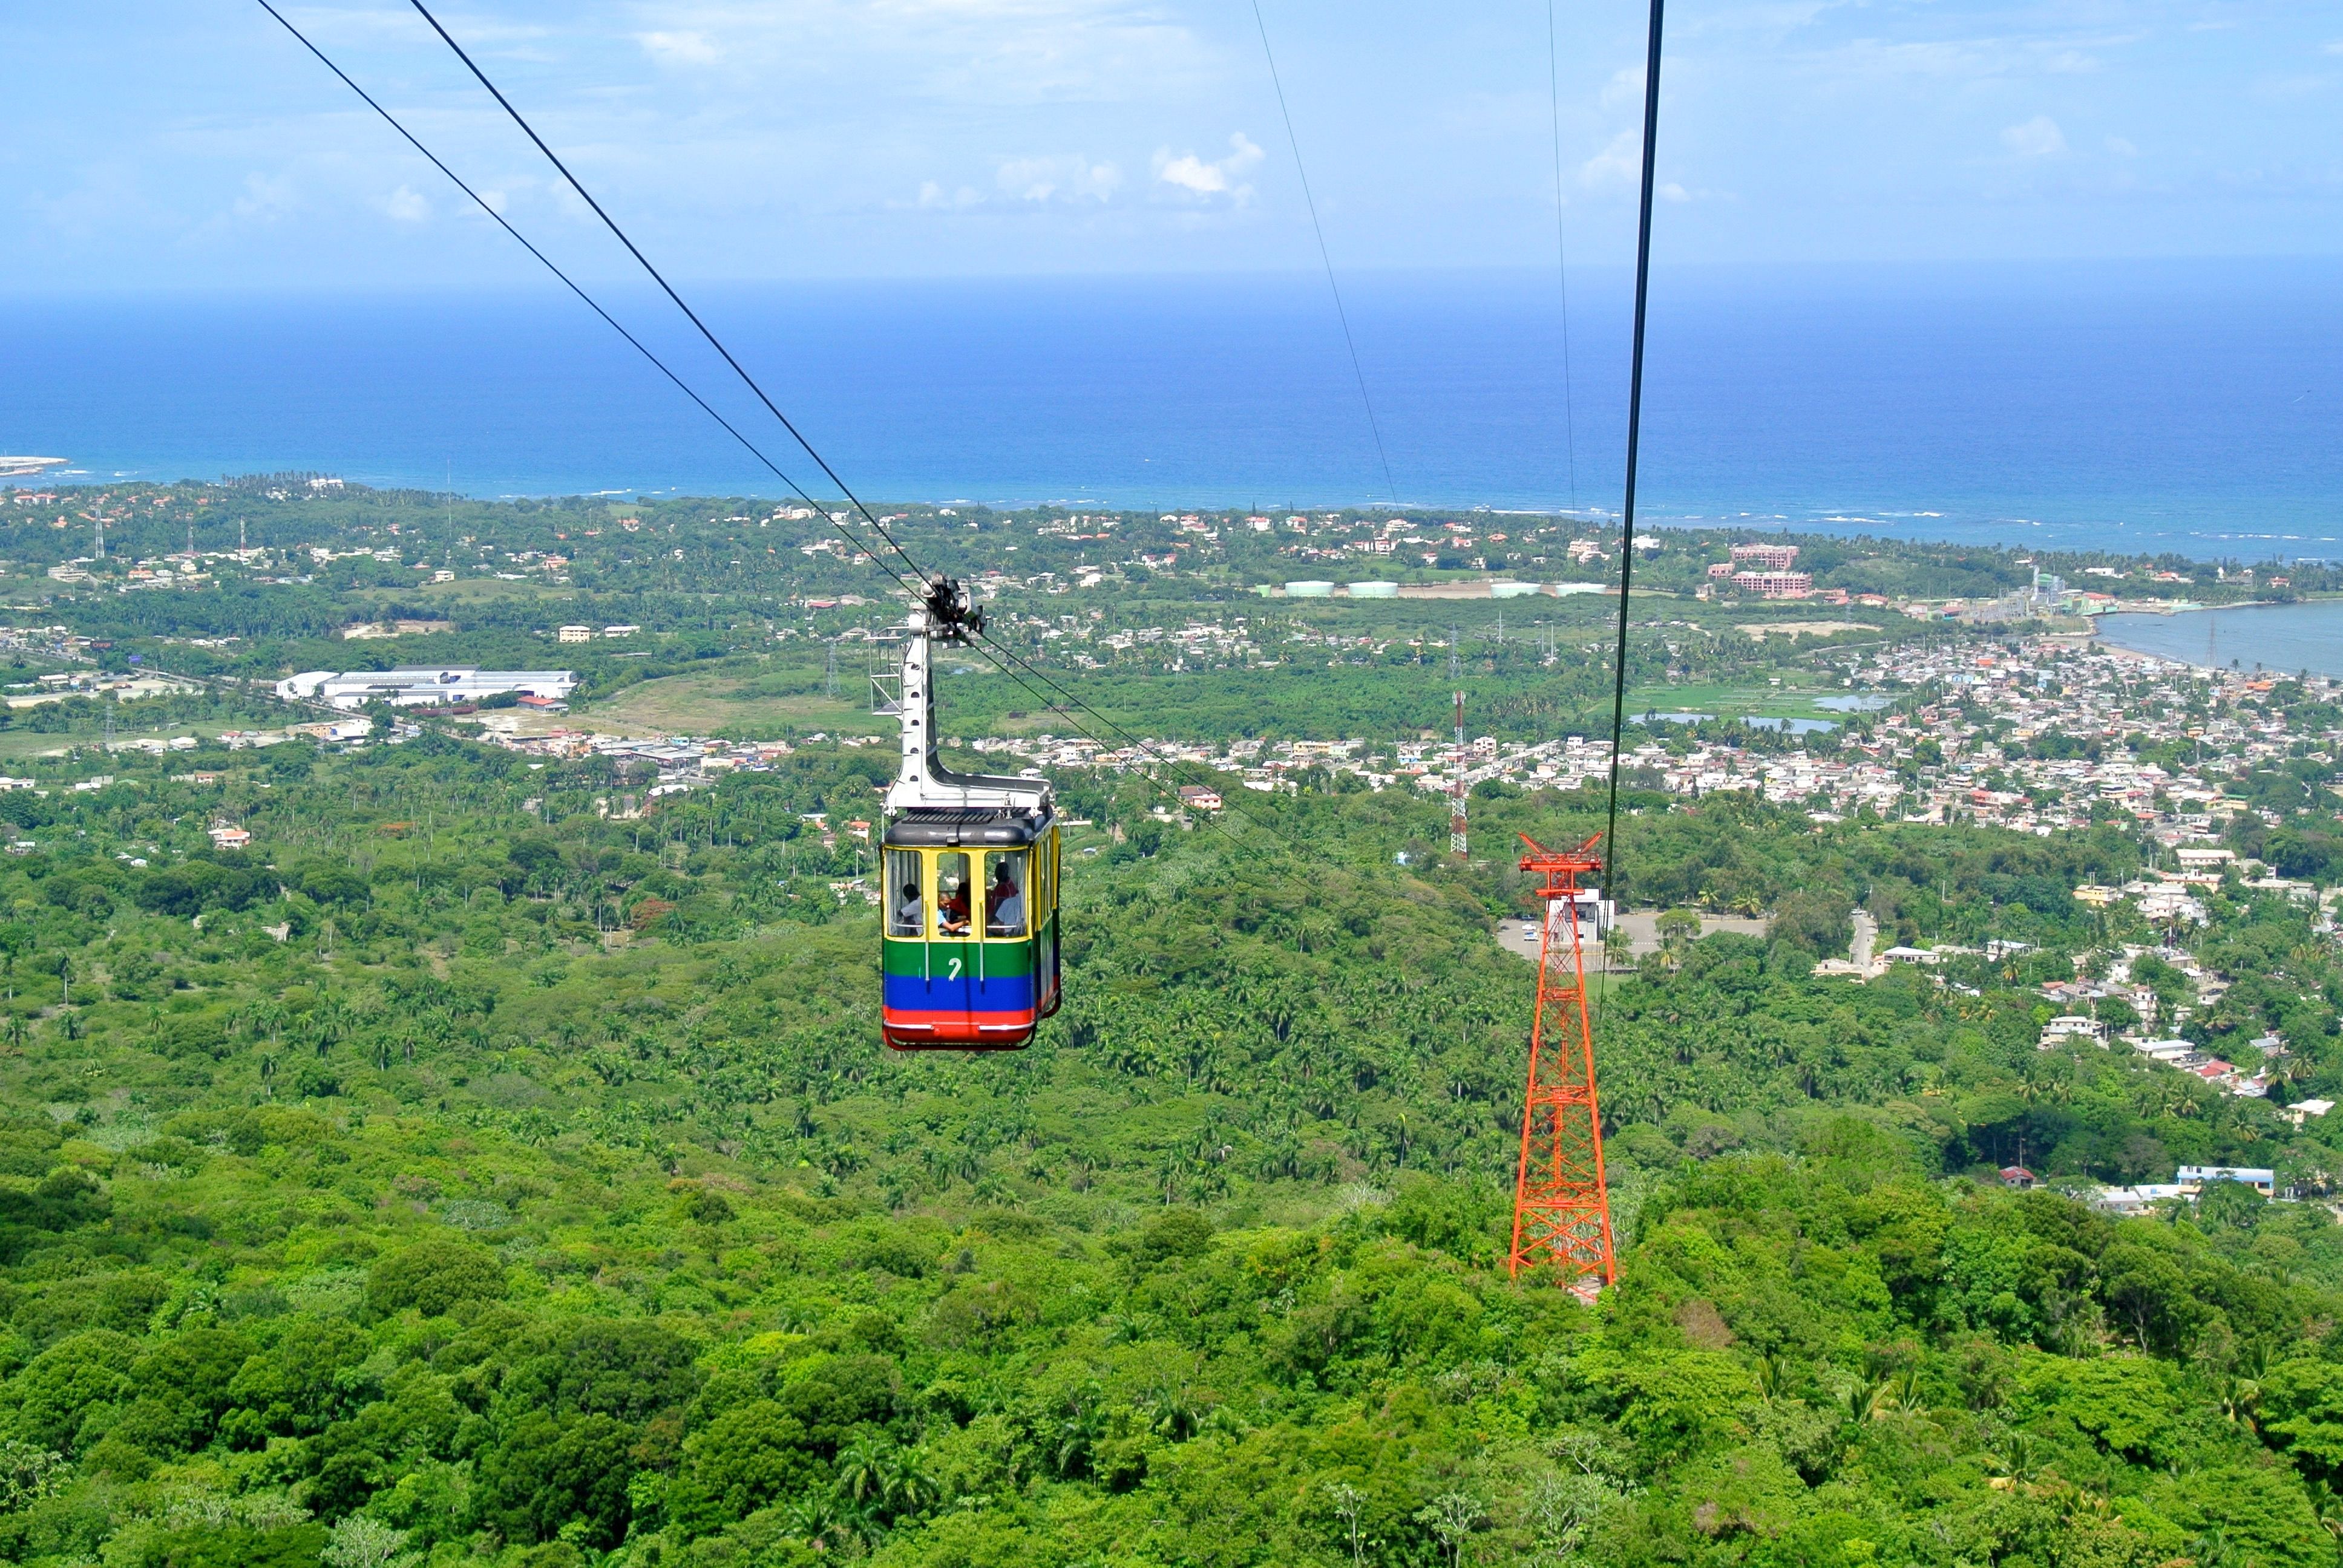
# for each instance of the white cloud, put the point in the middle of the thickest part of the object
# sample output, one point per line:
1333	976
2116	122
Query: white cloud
2283	89
889	116
2038	138
1190	173
1622	160
266	197
934	197
1072	177
1213	178
405	205
1674	192
978	53
1623	88
679	48
1939	59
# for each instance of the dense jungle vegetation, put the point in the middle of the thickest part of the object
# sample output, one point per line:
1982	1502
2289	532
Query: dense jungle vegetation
447	1177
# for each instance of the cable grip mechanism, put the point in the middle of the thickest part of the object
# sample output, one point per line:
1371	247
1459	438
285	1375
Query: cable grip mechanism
952	614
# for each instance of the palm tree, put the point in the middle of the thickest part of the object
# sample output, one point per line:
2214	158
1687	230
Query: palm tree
331	1023
2240	1389
1868	1400
2328	1509
2213	1548
1081	1426
908	1487
1176	1411
2016	1463
862	1469
815	1520
2240	1399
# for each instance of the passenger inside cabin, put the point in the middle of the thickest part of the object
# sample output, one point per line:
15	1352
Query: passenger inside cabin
906	915
1004	905
951	894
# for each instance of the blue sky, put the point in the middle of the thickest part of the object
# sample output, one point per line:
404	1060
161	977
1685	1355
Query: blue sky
147	146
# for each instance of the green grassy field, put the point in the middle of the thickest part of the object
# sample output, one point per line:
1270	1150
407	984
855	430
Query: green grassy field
1735	701
701	702
464	591
26	745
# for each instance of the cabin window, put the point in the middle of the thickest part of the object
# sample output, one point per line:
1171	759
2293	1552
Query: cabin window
906	909
1045	882
953	893
1004	894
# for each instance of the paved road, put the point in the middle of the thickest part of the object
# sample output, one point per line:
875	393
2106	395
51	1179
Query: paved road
1642	928
1866	935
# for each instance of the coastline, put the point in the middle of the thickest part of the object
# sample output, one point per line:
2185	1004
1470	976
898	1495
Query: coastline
2304	635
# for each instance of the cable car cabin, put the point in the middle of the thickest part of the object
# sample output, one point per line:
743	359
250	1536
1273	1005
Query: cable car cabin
968	950
971	943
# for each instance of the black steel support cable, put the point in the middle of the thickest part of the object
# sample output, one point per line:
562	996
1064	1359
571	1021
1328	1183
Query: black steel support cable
1634	435
1325	254
571	284
1562	250
988	650
668	289
997	652
685	387
998	657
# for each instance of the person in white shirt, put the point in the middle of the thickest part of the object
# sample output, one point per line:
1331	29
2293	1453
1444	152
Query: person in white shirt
1004	904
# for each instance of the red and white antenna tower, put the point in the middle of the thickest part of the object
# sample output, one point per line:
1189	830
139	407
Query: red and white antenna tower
1562	1209
1457	787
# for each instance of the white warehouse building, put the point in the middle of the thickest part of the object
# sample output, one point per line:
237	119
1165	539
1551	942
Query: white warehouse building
417	688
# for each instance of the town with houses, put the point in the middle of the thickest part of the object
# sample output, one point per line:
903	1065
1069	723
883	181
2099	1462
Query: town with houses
2039	733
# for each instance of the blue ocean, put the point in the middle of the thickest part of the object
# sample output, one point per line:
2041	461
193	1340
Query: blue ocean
2190	408
2284	638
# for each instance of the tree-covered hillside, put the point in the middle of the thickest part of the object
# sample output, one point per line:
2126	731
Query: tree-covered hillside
459	1174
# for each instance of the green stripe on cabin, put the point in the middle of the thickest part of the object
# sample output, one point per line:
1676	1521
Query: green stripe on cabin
1004	958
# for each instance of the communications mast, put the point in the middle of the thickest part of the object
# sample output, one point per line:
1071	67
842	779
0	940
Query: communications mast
1562	1209
1456	839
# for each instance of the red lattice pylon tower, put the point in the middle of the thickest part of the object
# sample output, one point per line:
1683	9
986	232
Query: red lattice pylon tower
1562	1210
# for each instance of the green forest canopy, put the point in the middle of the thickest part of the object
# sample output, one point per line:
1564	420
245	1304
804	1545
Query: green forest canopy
371	1197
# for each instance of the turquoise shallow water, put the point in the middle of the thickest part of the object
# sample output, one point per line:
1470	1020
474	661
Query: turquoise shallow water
2193	408
2288	638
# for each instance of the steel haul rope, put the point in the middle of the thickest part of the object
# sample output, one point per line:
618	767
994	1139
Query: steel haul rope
1634	435
991	652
